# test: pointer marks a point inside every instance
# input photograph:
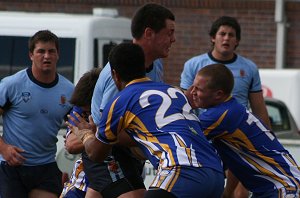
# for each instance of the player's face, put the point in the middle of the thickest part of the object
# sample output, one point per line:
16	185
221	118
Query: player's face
163	40
44	57
225	42
202	96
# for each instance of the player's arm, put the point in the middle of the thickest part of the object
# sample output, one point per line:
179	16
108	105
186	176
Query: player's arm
73	145
96	150
258	107
85	132
10	153
127	141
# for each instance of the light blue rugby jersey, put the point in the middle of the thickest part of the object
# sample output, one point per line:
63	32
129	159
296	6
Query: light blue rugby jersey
105	87
158	117
248	149
33	114
245	72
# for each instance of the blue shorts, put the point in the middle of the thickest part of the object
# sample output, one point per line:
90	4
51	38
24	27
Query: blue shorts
185	181
18	181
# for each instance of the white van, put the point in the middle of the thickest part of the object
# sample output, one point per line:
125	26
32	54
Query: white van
283	84
85	41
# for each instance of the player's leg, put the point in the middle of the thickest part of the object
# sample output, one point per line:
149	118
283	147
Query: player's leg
91	193
231	184
10	182
241	191
44	180
37	193
132	168
234	188
158	193
94	173
134	194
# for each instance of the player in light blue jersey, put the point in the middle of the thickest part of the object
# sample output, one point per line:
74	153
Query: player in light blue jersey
225	35
105	88
152	28
158	118
33	103
249	149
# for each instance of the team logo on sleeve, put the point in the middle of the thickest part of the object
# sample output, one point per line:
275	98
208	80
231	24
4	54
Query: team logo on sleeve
26	96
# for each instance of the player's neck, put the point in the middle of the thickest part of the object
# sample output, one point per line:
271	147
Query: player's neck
222	56
149	56
43	76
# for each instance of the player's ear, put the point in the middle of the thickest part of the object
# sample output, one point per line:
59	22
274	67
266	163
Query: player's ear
219	94
117	79
149	33
114	74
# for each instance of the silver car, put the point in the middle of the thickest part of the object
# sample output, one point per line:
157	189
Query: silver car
283	123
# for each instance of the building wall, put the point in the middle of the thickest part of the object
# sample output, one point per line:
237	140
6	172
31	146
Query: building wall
193	20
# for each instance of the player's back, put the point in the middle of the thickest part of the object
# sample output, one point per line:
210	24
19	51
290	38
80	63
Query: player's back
161	114
248	148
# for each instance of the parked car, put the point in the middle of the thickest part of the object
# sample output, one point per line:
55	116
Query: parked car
282	121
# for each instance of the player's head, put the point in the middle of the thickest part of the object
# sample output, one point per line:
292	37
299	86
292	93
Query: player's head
225	21
83	92
127	61
152	16
212	85
44	36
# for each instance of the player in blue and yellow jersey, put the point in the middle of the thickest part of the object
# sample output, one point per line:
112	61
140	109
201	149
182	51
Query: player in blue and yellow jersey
158	118
81	99
246	145
225	36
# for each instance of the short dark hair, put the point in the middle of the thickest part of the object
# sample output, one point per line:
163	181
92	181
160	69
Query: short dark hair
128	60
150	15
221	78
43	36
227	21
83	92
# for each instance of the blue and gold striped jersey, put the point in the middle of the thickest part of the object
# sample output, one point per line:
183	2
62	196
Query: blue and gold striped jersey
158	117
249	149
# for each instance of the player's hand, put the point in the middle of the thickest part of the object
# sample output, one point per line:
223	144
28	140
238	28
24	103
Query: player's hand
12	155
81	122
73	145
80	127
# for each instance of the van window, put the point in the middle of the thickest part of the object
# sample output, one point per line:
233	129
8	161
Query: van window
102	48
106	50
14	56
